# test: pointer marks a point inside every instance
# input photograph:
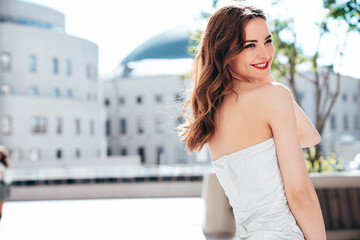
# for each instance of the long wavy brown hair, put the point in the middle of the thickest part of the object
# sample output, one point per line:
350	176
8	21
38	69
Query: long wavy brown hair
222	40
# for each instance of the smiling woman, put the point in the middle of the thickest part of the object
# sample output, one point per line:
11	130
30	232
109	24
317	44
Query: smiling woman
248	122
257	54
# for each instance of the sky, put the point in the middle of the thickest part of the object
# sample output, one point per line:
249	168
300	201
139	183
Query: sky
119	26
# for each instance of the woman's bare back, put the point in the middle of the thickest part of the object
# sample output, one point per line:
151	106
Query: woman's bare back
239	123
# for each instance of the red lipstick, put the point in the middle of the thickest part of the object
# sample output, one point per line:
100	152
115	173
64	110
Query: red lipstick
261	66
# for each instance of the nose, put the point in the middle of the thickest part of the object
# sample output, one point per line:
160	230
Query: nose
263	53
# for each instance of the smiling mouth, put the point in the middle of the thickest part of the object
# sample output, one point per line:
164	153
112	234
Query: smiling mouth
261	66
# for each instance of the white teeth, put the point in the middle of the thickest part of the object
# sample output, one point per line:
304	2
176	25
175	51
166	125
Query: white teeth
260	65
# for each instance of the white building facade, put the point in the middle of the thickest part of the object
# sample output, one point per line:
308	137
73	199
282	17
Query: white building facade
343	125
49	104
142	118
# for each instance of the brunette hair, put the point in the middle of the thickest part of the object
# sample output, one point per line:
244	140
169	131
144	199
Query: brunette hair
222	40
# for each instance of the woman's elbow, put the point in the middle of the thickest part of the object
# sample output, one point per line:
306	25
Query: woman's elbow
310	141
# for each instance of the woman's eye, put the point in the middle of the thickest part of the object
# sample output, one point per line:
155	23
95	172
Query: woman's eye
269	41
250	45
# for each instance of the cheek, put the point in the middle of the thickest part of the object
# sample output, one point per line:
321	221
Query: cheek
235	62
272	51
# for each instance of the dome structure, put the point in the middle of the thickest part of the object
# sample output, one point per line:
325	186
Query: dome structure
172	44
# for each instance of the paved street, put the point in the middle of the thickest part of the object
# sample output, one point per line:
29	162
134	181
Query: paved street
148	218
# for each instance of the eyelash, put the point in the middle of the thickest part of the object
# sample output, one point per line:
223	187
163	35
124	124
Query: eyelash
253	45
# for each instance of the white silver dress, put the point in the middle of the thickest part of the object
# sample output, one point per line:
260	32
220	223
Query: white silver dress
252	181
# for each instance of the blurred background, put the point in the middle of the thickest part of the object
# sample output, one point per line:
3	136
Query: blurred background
91	95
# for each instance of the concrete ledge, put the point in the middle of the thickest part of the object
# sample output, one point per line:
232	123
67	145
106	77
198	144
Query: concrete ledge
107	190
336	180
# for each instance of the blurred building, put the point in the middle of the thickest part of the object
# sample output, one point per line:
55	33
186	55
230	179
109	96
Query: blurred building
342	129
49	106
144	97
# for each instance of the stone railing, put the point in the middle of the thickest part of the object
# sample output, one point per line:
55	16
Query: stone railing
338	193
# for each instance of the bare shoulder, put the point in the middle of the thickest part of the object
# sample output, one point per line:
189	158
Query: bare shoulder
274	96
273	90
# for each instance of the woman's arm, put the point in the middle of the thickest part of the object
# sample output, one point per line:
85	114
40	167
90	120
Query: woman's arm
279	109
308	134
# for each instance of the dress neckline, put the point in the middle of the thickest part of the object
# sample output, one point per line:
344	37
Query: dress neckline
242	150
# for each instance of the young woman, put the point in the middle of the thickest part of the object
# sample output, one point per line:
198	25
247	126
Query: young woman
253	129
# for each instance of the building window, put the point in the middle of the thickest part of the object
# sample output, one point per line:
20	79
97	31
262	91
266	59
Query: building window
77	153
333	122
108	127
58	125
38	124
160	156
355	98
356	122
34	155
88	71
140	125
344	96
179	120
139	99
68	67
141	153
159	124
109	152
68	93
77	126
158	98
56	92
180	154
5	61
15	154
92	127
33	91
346	123
123	126
6	125
122	100
300	95
123	151
32	63
58	154
95	73
107	102
55	65
178	97
5	89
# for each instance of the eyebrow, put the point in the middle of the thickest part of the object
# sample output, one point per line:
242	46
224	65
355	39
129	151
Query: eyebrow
256	40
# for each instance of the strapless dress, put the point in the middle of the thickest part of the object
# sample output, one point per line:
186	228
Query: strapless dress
252	181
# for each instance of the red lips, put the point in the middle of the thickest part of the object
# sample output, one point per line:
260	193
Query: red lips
261	68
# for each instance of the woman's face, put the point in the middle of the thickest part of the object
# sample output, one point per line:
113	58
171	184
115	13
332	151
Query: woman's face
254	61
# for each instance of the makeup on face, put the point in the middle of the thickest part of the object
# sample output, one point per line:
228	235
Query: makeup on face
254	61
261	66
